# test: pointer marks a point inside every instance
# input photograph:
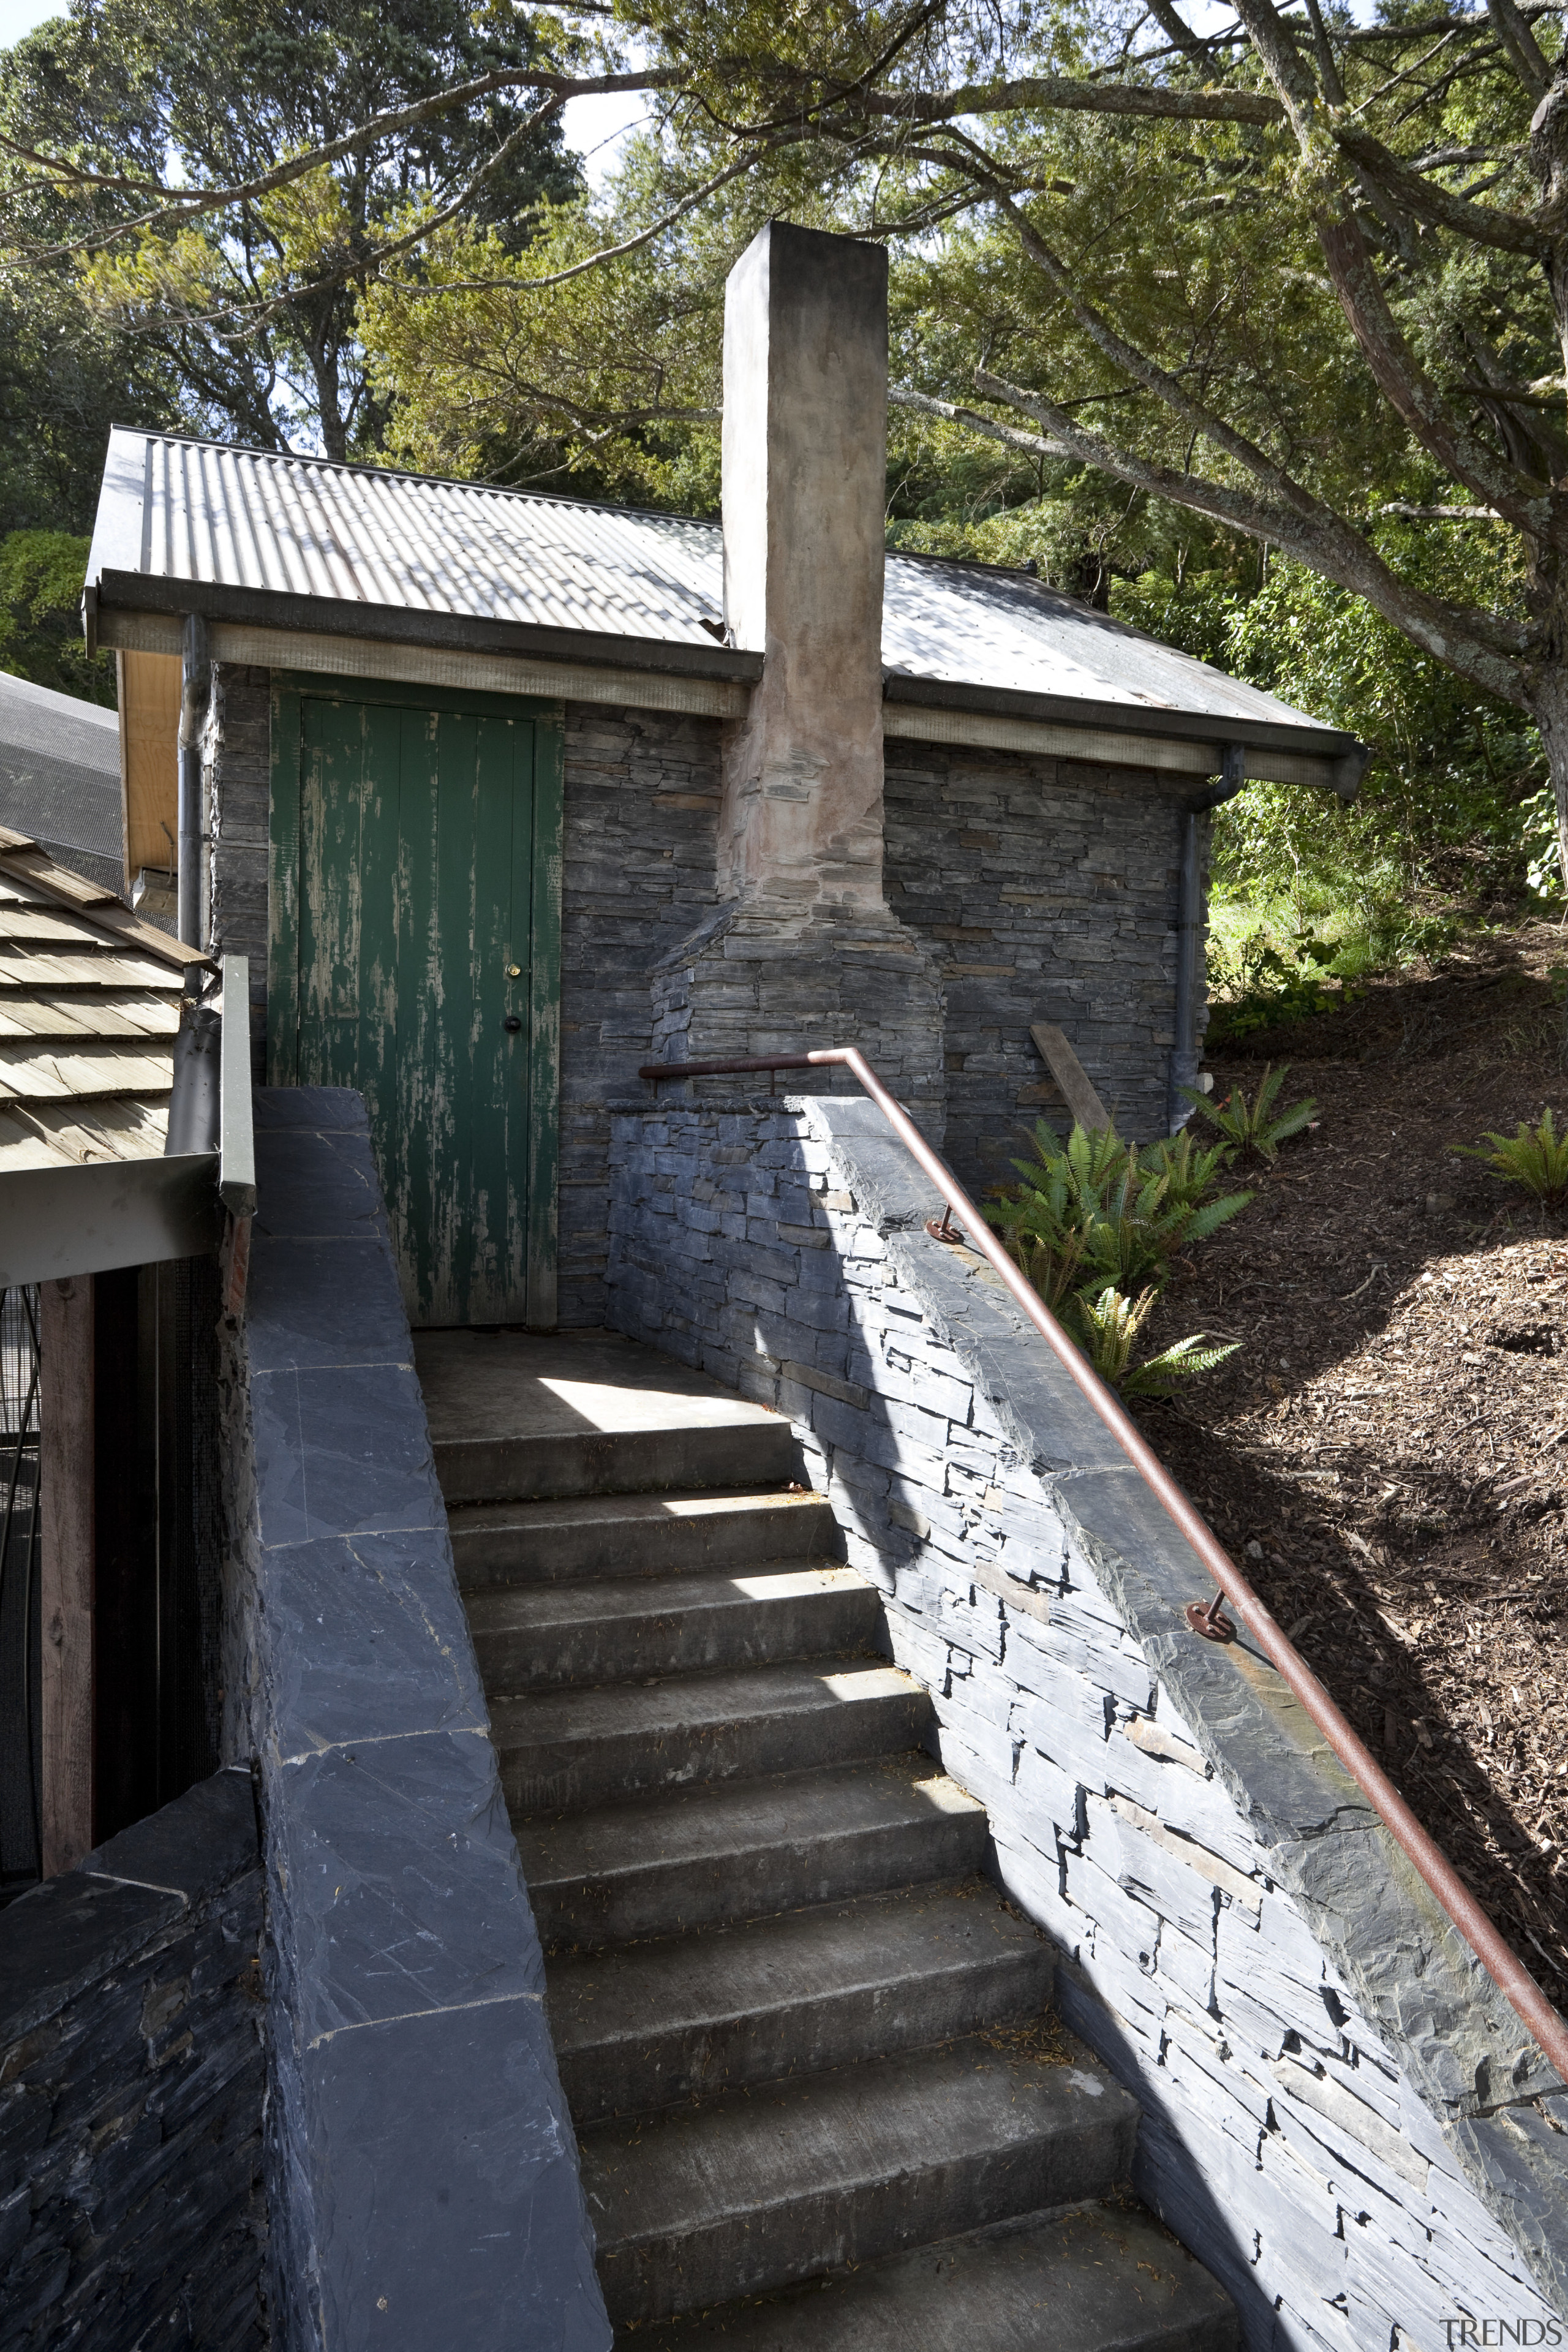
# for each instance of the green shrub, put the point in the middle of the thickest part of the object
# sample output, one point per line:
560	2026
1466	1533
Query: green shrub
1265	986
1536	1157
1252	1126
1093	1224
1110	1326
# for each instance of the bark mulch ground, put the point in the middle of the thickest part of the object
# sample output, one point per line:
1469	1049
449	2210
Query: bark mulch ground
1387	1455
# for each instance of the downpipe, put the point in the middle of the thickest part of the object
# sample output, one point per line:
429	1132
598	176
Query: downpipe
195	686
1190	931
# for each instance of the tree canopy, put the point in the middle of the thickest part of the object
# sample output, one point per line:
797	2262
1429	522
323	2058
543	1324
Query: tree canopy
1297	286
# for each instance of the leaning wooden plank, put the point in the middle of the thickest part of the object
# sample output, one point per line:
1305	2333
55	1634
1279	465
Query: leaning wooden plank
1069	1073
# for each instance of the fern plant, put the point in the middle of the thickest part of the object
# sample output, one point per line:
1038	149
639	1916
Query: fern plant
1253	1126
1125	1212
1111	1325
1537	1157
1093	1224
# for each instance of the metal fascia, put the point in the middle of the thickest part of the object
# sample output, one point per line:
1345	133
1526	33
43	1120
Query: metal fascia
133	591
1103	746
56	1222
306	653
1122	718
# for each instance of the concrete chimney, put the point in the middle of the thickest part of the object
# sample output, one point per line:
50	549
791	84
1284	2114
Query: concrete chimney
806	438
801	949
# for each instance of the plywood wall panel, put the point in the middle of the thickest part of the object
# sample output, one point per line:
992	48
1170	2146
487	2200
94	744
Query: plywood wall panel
149	758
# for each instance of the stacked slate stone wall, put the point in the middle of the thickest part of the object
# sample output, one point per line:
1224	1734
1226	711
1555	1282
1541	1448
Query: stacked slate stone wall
131	2079
1342	2118
421	2167
1048	891
641	823
237	758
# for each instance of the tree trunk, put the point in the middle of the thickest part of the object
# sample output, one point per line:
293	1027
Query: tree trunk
1551	714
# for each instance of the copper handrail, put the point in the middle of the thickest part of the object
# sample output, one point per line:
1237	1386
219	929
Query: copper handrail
1510	1974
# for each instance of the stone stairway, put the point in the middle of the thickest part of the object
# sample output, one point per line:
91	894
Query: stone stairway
818	2091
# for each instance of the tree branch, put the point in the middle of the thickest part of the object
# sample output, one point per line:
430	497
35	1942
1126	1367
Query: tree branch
1424	200
180	204
1522	46
1479	645
1054	94
1529	504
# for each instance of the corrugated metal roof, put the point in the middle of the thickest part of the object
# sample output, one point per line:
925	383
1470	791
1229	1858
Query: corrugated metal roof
180	510
89	1007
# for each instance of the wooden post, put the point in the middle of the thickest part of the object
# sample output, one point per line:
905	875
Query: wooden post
67	1400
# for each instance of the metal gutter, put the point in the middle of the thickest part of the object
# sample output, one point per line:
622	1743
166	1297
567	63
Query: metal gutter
1190	928
1514	1981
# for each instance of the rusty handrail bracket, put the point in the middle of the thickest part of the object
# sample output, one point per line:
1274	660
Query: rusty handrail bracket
1512	1979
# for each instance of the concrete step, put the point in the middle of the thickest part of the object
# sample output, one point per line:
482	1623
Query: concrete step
717	1851
1093	2278
642	2026
758	2188
513	1416
579	1748
531	1638
637	1535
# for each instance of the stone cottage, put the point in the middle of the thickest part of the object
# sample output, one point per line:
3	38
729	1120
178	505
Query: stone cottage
653	1668
638	785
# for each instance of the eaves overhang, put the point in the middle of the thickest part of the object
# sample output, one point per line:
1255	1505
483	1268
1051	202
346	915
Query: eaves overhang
134	593
291	631
1154	719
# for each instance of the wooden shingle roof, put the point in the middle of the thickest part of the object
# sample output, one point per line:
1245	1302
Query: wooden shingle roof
89	1002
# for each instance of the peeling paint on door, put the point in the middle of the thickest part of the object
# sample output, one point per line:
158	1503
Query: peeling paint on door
424	969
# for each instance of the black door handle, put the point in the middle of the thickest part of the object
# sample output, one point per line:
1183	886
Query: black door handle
512	1022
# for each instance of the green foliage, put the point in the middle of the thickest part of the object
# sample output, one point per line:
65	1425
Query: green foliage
41	575
1111	1325
1536	1157
1254	1126
1264	985
253	308
1096	1221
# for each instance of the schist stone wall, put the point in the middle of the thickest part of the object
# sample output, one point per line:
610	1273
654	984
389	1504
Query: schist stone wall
1048	891
1342	2118
237	773
131	2079
1042	890
421	2167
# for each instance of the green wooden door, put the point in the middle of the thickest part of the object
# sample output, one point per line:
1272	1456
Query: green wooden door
416	956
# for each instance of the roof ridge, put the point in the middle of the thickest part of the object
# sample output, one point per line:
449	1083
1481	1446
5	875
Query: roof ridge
407	473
